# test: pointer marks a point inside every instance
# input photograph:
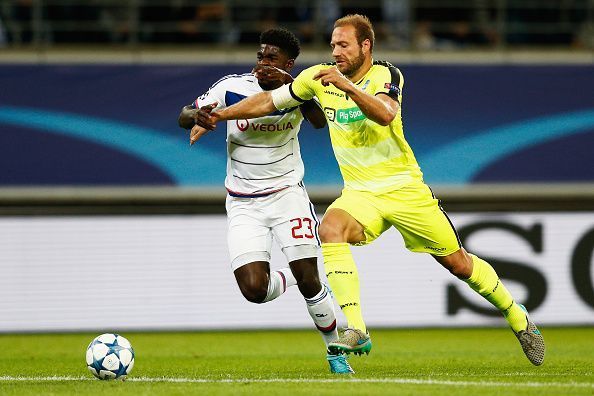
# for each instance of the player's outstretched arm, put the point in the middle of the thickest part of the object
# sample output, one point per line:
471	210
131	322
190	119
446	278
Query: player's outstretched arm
254	106
379	108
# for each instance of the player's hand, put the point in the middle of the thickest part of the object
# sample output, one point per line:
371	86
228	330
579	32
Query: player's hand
214	117
202	116
333	76
196	133
271	73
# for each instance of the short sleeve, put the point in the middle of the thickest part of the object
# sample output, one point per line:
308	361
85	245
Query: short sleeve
216	93
391	83
303	86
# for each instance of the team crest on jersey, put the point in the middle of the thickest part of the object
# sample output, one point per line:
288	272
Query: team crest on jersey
392	88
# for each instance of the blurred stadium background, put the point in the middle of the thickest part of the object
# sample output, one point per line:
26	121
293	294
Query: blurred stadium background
103	202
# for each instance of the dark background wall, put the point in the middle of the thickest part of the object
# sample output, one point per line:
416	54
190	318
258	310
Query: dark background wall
97	125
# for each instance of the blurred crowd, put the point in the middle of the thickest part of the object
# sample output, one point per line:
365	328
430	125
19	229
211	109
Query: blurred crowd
400	24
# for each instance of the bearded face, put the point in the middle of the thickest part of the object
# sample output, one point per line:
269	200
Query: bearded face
349	67
347	51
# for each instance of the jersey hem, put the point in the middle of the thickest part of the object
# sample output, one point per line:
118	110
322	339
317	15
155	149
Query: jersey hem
237	194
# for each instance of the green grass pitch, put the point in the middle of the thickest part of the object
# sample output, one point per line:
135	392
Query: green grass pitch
403	362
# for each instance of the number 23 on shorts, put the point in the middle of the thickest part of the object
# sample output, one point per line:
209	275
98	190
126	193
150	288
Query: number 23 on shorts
302	228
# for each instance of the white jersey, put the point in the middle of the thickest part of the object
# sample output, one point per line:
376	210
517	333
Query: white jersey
263	154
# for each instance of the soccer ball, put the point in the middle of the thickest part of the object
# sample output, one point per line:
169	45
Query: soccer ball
110	356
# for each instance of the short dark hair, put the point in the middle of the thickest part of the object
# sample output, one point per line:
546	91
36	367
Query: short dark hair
362	25
282	39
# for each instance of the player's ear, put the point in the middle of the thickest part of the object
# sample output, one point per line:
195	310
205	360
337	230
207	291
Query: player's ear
366	46
290	64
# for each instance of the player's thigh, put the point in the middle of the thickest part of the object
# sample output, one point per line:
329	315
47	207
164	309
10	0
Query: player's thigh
363	208
425	227
249	239
295	225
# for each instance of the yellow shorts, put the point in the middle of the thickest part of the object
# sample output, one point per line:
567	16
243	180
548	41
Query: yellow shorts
413	210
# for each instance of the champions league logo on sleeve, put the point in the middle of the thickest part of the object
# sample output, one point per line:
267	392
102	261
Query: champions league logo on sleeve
392	88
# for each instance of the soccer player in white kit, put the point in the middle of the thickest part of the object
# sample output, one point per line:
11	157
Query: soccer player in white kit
266	198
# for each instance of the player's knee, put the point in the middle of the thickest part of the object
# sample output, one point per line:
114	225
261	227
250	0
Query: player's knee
459	270
331	232
305	270
339	227
254	290
307	277
459	264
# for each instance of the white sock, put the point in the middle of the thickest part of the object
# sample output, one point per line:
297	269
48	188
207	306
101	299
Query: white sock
279	282
289	277
321	310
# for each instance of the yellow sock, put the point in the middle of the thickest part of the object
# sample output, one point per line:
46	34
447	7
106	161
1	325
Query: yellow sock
343	278
484	281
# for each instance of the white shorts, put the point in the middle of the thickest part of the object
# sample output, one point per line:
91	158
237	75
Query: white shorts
287	216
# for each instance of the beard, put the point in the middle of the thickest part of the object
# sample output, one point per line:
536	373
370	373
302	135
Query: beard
351	67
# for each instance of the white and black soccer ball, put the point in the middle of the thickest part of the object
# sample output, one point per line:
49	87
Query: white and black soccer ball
110	356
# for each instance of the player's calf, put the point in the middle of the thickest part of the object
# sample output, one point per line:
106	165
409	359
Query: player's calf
306	275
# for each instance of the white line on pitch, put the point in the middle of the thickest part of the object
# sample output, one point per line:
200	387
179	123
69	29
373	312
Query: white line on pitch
403	381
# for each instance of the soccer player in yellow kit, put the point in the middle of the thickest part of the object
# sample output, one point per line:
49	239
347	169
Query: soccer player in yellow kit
383	184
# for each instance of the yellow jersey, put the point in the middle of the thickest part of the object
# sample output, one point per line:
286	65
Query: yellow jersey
371	157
